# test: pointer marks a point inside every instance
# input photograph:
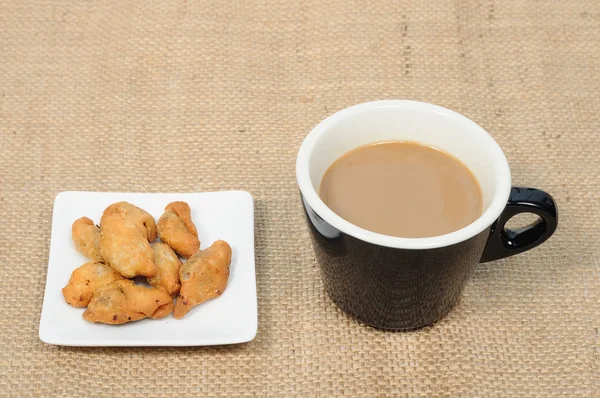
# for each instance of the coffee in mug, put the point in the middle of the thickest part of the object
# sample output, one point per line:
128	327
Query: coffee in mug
402	188
376	272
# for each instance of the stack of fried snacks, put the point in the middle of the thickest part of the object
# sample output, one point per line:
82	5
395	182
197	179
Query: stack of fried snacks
125	246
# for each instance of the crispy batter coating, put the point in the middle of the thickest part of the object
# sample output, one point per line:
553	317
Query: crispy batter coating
175	227
87	279
123	301
125	248
168	265
203	277
142	219
86	237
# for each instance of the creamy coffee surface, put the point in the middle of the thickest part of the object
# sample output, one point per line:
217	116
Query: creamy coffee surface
402	188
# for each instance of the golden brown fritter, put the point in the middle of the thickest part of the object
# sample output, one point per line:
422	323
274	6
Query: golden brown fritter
143	221
168	265
86	279
123	301
175	228
86	237
125	248
203	277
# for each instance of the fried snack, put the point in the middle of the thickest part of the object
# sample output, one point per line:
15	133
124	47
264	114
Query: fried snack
87	279
123	301
86	237
175	227
125	248
203	277
143	221
168	265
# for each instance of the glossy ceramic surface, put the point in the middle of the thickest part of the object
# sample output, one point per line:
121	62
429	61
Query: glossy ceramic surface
392	288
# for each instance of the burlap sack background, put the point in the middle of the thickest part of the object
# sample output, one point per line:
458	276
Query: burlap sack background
211	95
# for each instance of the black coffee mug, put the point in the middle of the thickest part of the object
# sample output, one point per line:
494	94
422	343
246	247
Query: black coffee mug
406	283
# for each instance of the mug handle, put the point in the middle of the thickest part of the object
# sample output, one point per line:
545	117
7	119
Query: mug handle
504	242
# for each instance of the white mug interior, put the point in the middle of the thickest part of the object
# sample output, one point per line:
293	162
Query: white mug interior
402	120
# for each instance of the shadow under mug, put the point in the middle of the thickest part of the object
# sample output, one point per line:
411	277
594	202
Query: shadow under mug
406	283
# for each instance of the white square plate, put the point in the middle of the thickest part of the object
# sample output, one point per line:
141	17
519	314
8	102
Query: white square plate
228	319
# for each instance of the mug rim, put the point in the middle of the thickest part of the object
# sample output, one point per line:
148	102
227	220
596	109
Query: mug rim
312	198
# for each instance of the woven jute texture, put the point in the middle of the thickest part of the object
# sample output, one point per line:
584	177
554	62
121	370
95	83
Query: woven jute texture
188	96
